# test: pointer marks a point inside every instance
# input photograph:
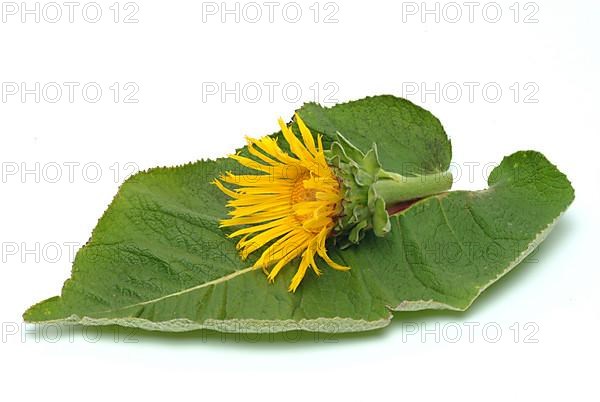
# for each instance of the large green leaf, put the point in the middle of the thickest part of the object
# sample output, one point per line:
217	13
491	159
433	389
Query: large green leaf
411	140
157	259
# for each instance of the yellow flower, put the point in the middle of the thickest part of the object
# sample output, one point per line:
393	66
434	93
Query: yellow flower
292	206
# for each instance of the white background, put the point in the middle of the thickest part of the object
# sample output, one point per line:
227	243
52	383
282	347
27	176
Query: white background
172	57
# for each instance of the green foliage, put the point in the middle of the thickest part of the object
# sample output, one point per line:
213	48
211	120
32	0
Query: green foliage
158	260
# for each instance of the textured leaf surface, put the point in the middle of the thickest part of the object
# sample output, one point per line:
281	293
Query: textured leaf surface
157	259
410	139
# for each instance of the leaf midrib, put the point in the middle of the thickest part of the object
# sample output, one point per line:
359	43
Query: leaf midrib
217	281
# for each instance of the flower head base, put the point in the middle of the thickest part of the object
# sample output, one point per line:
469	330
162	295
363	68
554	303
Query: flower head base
370	191
291	208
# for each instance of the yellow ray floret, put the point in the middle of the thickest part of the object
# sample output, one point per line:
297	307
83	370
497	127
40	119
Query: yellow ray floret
291	207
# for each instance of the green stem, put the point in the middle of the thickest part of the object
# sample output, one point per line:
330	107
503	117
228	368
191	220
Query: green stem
396	188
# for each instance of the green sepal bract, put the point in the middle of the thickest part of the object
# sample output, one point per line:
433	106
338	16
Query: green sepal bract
369	189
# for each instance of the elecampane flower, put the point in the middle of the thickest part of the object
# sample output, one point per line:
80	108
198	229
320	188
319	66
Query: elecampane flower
291	207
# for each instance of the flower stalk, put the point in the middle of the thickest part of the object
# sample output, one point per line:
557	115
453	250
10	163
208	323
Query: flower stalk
395	188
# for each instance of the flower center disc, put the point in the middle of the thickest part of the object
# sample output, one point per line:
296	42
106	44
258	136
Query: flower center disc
300	194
